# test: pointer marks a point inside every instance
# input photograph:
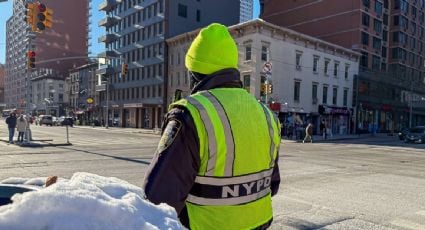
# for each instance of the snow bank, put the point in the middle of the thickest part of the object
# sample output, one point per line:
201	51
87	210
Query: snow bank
86	201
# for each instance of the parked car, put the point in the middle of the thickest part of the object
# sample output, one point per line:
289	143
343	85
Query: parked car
402	134
46	120
68	121
416	135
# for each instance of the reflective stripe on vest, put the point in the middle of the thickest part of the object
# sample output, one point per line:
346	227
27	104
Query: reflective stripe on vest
230	191
215	142
271	133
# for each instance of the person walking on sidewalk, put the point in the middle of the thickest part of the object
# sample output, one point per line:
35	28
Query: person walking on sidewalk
11	125
21	126
308	133
323	129
217	160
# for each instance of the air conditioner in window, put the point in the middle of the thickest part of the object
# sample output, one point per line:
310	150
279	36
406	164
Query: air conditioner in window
298	67
315	101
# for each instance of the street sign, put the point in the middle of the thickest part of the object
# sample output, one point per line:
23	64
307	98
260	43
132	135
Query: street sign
267	68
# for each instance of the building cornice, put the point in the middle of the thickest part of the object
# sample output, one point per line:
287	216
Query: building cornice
259	25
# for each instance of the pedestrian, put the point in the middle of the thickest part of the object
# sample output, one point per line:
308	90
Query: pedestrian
308	133
323	129
11	125
216	162
21	126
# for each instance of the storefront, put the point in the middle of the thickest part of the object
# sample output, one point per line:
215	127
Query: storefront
337	119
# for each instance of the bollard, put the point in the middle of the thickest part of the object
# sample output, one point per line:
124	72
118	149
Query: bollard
67	135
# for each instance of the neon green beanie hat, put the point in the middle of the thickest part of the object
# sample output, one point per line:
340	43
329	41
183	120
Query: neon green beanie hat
212	50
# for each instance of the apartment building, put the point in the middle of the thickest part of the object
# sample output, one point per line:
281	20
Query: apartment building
81	95
247	10
312	79
135	34
67	38
389	34
2	104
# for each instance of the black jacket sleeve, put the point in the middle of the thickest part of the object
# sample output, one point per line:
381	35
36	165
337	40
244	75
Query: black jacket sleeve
275	176
175	165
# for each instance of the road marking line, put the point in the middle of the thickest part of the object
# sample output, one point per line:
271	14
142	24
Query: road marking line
407	224
422	213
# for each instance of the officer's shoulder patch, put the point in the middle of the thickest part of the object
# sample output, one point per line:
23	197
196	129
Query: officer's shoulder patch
170	132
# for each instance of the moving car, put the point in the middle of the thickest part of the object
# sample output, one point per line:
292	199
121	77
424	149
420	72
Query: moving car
416	135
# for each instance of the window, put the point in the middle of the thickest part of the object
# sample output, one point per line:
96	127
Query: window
345	97
298	59
182	10
315	63
378	8
297	88
385	19
334	95
347	68
385	36
376	62
314	93
364	60
366	3
325	94
198	15
377	25
365	19
365	38
327	61
246	82
264	53
384	52
247	52
376	43
336	67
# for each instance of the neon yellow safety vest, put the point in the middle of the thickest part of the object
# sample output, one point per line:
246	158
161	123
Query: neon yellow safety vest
238	139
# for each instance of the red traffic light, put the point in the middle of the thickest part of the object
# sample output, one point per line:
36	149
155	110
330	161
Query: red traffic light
31	54
41	7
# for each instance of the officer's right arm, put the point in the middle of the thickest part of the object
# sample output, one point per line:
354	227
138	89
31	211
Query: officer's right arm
175	165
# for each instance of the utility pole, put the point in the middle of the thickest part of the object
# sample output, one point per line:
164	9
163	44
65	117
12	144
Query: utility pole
411	104
107	103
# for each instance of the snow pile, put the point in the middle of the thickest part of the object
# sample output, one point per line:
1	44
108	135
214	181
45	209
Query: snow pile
87	201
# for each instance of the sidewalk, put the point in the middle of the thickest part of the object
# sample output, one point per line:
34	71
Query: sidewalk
121	130
320	139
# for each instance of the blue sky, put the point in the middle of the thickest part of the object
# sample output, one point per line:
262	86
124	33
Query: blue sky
6	12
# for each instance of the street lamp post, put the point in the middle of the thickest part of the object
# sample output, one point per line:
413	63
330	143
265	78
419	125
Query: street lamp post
107	104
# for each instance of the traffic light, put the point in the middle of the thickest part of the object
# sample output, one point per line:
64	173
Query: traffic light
44	17
263	89
30	15
31	59
124	69
269	88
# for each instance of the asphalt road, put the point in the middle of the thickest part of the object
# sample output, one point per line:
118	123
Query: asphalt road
367	183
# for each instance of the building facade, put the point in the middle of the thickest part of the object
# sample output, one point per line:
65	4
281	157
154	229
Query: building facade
307	74
2	71
390	37
247	10
48	91
135	34
81	96
67	38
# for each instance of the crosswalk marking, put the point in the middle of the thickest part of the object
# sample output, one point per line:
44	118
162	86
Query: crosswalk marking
422	213
408	224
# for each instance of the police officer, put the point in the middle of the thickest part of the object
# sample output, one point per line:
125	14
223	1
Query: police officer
216	162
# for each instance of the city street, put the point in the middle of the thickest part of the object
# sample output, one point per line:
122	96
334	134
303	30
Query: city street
366	183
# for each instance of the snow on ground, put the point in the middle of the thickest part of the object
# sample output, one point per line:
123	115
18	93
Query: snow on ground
86	201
